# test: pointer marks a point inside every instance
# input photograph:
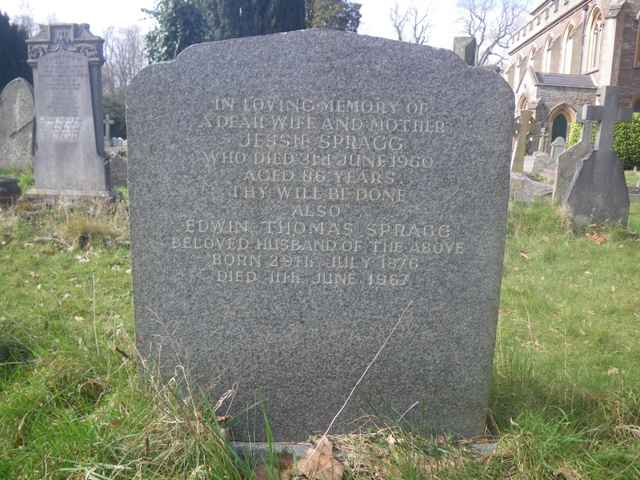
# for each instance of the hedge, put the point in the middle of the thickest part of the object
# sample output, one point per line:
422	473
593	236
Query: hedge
626	142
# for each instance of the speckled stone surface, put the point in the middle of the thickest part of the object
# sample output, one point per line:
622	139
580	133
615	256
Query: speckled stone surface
291	195
16	124
67	158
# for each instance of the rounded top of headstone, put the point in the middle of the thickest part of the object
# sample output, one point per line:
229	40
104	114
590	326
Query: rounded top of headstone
18	84
321	61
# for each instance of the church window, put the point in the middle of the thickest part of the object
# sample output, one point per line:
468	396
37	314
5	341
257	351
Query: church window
567	50
547	56
594	39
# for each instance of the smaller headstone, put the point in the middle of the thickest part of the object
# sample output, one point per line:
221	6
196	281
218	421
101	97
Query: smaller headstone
542	140
527	190
108	122
523	130
465	48
598	192
568	161
558	147
69	160
16	124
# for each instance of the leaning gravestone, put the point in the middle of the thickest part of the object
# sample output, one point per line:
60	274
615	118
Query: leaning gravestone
286	209
69	153
16	124
598	192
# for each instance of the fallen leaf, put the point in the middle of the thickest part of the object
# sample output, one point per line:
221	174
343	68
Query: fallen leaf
597	238
320	464
524	254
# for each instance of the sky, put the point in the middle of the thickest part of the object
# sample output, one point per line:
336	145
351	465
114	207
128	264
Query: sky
102	14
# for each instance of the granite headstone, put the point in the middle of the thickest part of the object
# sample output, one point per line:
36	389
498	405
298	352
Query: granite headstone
69	152
291	196
16	124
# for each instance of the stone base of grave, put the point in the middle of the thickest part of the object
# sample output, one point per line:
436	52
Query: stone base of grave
259	450
42	195
525	189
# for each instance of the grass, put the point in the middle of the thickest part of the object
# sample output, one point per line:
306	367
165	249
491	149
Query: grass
565	400
25	176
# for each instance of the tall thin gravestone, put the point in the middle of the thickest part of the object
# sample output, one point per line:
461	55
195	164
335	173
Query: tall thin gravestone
598	192
16	124
287	211
523	130
69	151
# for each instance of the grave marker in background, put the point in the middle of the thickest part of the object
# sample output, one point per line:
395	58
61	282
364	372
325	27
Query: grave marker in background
287	208
69	152
598	192
16	124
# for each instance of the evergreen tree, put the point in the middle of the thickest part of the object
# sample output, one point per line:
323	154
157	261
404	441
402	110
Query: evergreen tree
184	22
334	14
13	52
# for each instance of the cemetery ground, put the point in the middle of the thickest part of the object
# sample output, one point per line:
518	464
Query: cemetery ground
565	402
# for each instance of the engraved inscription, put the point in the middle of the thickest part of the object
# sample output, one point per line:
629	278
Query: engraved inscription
320	160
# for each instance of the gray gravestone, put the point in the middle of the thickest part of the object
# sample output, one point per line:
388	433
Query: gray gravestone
69	153
16	124
465	48
598	192
568	162
286	209
523	130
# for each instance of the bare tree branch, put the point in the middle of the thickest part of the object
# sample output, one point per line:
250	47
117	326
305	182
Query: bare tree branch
492	23
417	22
124	54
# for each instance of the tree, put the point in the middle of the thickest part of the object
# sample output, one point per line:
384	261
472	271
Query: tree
334	14
417	21
124	55
181	23
492	23
13	52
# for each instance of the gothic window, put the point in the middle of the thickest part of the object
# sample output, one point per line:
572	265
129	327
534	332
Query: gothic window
532	57
567	50
517	72
594	39
547	56
523	104
637	63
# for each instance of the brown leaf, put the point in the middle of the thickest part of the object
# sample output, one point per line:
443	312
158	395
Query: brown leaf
597	238
320	464
524	254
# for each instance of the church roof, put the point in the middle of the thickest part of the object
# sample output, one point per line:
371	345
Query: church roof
565	80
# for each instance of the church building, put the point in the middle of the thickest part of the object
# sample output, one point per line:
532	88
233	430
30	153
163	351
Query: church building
565	52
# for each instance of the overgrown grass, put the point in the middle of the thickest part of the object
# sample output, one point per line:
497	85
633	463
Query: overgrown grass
565	401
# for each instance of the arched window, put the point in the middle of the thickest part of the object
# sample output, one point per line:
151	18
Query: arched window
532	57
547	56
517	72
636	106
523	104
637	64
594	39
567	50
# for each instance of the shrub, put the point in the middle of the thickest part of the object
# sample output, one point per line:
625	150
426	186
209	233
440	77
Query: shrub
575	133
627	142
